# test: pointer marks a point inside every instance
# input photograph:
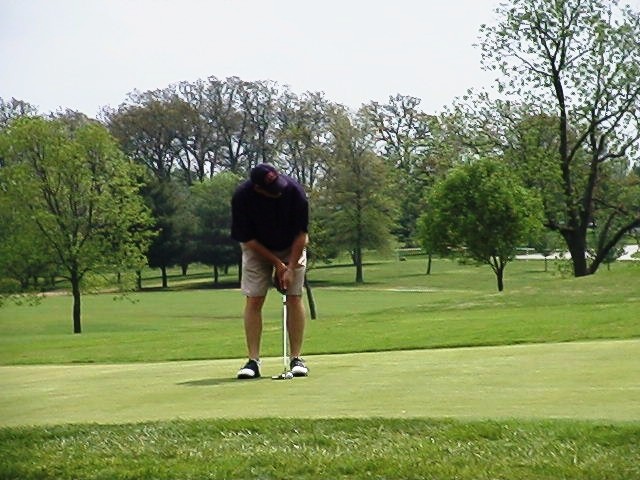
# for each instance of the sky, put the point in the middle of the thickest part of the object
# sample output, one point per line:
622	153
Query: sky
87	54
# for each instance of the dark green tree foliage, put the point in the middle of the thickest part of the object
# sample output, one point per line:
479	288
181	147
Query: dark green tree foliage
480	211
210	210
73	186
173	224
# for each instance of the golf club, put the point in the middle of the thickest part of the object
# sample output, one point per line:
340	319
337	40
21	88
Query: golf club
286	373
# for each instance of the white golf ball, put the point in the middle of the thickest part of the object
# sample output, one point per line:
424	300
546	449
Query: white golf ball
288	375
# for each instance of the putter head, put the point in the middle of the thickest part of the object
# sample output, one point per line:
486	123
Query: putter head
283	376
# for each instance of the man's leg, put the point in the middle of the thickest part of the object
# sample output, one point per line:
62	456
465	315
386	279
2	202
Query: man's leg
295	324
253	325
253	334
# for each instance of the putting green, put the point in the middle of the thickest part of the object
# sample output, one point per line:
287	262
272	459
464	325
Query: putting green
586	380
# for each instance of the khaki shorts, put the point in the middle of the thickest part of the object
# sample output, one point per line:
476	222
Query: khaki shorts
257	273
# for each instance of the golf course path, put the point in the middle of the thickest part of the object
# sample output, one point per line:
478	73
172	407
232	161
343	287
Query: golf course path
581	380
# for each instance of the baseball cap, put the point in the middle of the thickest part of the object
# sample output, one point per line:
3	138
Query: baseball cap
267	177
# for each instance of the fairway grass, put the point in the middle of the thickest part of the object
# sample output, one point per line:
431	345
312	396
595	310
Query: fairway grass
398	308
580	380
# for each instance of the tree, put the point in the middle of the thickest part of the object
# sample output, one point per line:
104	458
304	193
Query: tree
25	256
13	109
81	193
404	137
231	124
578	61
199	142
480	211
259	101
353	203
147	128
168	203
209	206
302	136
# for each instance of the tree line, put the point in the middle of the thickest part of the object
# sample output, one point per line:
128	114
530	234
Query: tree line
550	159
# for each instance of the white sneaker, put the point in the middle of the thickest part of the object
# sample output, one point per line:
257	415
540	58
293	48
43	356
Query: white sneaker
250	370
298	368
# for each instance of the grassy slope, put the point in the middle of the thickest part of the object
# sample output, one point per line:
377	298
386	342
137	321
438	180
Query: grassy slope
398	308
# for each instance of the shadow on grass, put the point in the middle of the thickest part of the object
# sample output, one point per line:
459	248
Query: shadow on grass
208	382
214	382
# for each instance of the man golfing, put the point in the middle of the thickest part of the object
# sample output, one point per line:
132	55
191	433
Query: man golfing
270	219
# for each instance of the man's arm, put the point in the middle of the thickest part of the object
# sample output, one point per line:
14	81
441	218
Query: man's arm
265	253
298	245
283	271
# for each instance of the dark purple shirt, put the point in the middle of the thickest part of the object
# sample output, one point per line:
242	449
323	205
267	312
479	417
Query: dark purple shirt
274	222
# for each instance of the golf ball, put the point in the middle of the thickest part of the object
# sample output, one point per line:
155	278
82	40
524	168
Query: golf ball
288	375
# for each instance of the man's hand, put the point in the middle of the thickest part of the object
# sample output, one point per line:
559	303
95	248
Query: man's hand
281	279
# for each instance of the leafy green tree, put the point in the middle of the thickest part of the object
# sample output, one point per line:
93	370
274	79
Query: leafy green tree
81	194
353	203
578	63
480	211
25	256
168	203
209	206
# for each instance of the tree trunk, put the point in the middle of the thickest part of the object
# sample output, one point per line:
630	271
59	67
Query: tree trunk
165	283
497	265
429	258
216	275
357	254
500	276
75	289
139	280
577	247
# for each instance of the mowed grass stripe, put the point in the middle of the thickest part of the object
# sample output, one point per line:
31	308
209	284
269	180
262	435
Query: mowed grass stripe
581	380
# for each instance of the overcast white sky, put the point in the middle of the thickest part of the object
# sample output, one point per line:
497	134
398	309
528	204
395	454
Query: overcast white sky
85	54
